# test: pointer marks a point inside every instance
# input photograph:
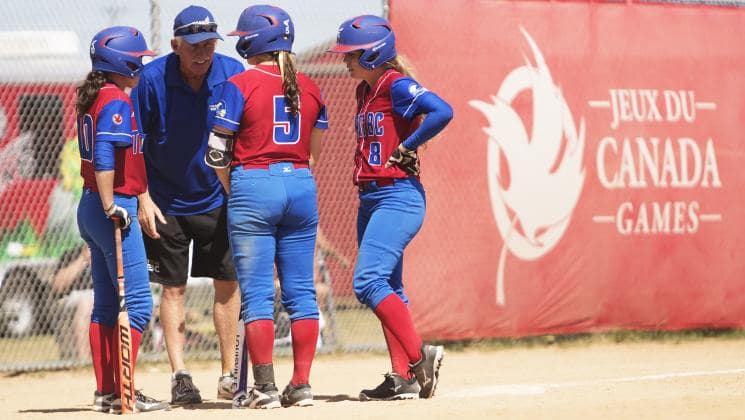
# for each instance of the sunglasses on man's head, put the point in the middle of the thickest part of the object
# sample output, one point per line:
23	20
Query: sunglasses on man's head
195	28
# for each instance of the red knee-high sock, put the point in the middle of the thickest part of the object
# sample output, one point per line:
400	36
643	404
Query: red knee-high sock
100	337
260	341
304	340
395	316
399	359
135	337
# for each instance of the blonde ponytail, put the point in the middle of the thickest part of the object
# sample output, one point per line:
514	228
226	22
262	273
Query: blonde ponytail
289	80
402	65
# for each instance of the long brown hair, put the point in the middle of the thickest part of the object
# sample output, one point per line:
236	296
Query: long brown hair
289	80
87	91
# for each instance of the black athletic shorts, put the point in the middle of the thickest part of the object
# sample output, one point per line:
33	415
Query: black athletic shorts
168	257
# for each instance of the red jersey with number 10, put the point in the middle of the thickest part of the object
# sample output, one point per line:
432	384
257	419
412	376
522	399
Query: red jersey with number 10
379	130
111	119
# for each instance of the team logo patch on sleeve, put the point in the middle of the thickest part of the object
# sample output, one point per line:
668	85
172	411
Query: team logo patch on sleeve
117	119
219	109
415	89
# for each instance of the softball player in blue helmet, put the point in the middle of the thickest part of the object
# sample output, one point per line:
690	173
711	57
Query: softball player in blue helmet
262	147
395	115
113	174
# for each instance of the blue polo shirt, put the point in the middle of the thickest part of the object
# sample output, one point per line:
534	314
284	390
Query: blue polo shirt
175	121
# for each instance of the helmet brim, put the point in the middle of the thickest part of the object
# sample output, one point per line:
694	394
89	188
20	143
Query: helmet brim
343	49
143	53
238	33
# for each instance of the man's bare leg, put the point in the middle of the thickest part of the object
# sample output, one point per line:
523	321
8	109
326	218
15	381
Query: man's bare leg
173	322
172	319
226	307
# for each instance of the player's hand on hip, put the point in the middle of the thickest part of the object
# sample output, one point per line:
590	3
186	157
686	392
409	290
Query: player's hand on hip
147	212
119	215
407	160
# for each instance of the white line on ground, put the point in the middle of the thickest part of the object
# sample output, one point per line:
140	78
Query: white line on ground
541	388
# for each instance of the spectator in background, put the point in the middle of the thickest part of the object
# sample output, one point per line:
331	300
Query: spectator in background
72	287
176	101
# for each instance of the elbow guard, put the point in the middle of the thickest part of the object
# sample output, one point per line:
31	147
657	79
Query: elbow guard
219	150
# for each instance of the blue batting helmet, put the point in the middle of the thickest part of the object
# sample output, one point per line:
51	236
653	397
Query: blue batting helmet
263	28
119	50
372	35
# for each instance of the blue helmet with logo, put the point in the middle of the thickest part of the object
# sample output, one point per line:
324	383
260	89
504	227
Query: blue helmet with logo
119	50
263	28
370	34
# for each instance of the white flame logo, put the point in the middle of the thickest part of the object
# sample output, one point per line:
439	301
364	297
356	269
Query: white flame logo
545	169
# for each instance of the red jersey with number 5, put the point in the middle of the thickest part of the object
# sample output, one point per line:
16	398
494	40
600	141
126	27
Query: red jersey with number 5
254	107
379	129
111	119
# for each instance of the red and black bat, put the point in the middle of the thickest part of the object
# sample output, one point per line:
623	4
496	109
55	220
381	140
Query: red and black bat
126	379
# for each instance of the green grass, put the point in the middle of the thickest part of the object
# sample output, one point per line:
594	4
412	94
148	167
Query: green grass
583	339
26	349
357	329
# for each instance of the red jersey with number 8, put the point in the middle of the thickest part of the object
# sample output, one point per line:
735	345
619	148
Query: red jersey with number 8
379	130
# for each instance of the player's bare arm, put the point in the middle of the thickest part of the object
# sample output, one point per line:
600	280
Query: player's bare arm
316	136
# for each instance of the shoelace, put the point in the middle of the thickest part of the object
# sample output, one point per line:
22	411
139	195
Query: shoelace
388	383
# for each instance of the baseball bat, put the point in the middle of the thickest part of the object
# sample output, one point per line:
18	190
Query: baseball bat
126	380
240	368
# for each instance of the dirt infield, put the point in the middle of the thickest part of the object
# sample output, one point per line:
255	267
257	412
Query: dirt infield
693	379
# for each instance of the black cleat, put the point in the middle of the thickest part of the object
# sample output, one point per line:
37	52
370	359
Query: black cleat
300	396
262	396
183	390
394	387
427	370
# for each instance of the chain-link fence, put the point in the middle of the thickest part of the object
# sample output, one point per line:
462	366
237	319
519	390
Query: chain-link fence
45	287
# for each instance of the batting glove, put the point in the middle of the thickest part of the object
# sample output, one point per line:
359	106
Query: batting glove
407	161
119	215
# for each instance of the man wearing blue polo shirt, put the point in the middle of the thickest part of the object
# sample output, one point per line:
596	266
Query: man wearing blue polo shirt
176	101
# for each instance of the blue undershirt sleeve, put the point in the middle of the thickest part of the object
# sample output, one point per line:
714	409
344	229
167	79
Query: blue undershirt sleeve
103	156
411	99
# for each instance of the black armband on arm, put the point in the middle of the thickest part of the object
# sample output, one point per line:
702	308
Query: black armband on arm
219	150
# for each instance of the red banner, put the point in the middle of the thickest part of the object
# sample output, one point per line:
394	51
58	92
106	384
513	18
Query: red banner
591	179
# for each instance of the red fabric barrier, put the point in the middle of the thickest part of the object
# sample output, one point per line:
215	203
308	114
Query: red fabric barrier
26	200
604	142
